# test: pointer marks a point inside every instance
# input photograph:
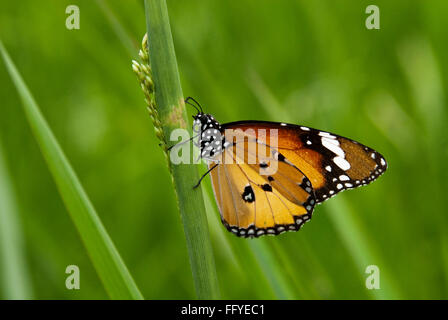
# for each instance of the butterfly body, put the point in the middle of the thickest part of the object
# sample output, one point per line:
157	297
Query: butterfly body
310	165
210	139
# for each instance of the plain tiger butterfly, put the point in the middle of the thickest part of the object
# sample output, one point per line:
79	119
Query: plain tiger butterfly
310	165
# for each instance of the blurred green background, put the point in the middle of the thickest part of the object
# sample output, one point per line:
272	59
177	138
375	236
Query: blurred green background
306	62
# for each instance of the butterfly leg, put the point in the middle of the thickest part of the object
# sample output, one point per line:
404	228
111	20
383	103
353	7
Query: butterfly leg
205	174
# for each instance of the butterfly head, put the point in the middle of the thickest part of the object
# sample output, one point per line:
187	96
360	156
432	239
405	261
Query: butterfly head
207	130
204	121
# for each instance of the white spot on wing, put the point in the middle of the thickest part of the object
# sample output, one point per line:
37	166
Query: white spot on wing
333	145
341	163
305	128
326	134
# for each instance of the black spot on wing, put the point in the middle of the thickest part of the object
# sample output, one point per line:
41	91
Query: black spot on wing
248	194
266	187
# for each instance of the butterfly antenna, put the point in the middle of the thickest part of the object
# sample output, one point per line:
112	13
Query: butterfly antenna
195	106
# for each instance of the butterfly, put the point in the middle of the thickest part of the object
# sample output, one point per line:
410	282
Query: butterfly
275	190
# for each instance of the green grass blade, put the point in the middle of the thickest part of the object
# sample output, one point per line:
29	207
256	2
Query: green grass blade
361	249
272	271
118	28
105	257
171	108
15	279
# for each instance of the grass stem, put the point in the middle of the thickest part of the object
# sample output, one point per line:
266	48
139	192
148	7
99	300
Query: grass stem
171	112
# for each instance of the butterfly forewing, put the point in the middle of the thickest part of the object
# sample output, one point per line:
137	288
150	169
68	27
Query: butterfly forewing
332	163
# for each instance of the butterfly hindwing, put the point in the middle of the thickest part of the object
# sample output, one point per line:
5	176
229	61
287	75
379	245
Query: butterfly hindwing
254	201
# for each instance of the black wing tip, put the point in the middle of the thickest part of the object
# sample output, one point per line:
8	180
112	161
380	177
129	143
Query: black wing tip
375	173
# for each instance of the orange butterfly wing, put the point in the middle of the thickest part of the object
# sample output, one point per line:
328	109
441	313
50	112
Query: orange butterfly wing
311	166
331	162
